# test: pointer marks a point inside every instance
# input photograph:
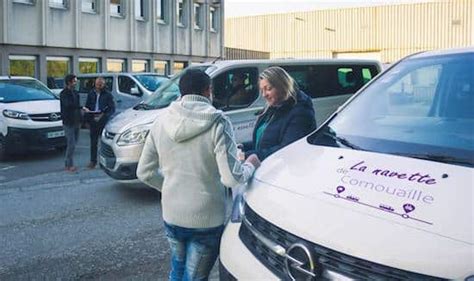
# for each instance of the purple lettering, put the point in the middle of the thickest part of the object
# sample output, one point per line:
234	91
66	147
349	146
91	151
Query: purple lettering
357	168
428	199
430	181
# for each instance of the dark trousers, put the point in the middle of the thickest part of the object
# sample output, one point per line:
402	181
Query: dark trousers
96	128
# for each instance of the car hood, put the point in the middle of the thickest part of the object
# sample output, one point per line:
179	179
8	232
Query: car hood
353	202
131	118
34	107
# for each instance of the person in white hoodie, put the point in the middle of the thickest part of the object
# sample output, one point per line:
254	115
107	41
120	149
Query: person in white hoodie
190	155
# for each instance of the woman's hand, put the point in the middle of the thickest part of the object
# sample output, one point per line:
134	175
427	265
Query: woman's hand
253	159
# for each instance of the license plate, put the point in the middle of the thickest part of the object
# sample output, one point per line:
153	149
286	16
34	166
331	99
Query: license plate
56	134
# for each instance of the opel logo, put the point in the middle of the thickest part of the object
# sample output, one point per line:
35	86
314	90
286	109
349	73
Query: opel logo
54	117
299	263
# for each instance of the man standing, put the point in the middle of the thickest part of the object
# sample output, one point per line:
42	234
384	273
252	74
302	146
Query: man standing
99	108
71	116
194	149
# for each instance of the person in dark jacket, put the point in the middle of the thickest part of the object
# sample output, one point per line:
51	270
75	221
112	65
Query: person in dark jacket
288	115
71	116
100	106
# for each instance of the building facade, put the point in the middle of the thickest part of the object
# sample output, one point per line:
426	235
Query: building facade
387	32
48	38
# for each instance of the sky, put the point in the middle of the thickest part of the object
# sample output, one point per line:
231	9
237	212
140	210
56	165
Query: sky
239	8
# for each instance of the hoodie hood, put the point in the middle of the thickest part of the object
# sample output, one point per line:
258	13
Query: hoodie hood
189	116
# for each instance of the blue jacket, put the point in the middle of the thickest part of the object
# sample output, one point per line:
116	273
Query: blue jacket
288	123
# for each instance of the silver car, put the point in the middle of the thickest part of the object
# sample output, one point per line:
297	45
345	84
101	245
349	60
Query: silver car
330	82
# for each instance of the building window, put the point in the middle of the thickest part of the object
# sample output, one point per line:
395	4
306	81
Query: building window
140	9
89	65
180	13
197	16
139	66
58	4
30	2
56	69
117	8
116	65
178	66
161	11
161	67
89	6
213	20
22	66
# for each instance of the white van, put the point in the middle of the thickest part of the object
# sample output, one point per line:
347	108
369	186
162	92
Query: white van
30	116
329	81
384	190
128	89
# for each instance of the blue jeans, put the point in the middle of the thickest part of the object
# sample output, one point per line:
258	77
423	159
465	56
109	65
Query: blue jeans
72	135
193	251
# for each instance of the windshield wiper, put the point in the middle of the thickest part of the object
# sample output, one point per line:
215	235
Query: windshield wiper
330	133
438	158
142	106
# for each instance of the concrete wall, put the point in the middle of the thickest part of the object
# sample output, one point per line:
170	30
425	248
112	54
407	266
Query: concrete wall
40	30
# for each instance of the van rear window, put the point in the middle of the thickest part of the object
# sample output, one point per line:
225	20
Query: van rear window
331	80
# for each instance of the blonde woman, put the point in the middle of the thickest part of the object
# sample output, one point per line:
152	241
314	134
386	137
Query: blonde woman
288	115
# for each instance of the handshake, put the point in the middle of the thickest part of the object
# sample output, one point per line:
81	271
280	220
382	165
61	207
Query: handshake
252	158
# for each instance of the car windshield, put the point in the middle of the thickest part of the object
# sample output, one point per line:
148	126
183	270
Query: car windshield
168	91
151	82
18	90
420	108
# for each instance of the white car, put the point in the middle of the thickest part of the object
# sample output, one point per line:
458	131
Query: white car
383	190
30	116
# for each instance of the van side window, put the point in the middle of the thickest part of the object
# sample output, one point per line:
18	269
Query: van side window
330	80
86	84
128	86
236	88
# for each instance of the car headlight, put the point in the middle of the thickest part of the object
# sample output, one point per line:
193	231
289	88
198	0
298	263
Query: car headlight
15	114
134	135
238	213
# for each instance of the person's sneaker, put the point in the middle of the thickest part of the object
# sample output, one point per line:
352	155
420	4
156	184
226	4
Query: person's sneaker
91	165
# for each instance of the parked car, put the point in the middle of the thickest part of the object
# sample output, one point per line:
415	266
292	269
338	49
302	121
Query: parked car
329	82
55	85
128	89
382	191
31	116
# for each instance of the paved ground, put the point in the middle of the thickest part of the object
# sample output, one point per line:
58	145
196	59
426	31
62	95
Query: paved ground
84	226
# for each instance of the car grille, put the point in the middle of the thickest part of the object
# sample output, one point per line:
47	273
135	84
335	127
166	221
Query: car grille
106	150
327	259
46	117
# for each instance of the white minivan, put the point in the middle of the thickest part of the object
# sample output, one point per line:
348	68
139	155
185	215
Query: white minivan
30	116
383	190
330	82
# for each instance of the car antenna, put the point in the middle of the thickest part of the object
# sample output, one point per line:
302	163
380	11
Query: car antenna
218	58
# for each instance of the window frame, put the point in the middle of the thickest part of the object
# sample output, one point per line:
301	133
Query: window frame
197	14
54	5
31	58
181	17
93	10
26	2
161	7
140	11
121	9
213	20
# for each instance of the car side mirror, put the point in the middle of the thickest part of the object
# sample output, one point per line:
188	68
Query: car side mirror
135	91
